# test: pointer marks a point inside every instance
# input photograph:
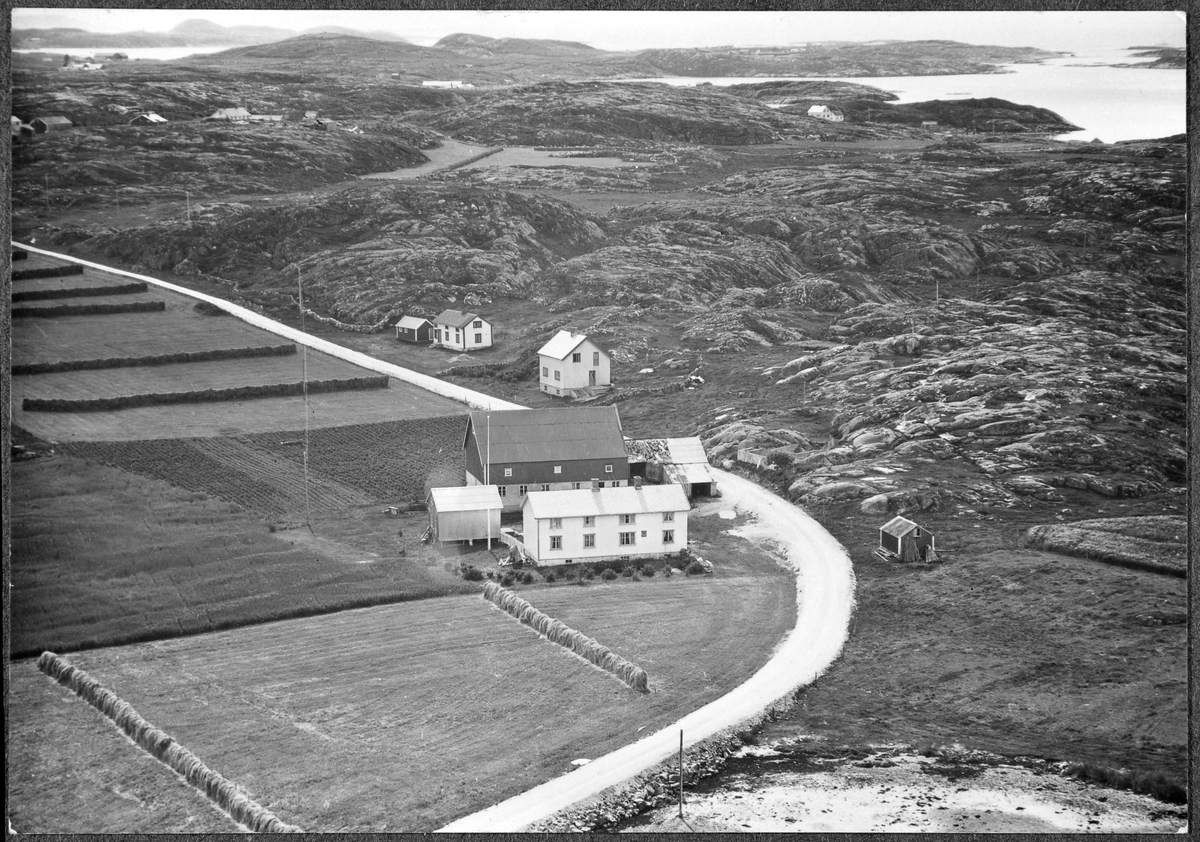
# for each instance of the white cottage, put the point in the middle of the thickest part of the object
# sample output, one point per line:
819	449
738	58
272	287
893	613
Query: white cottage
461	331
824	112
571	363
601	524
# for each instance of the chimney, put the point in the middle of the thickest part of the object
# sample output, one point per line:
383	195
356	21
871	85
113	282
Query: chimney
595	484
637	482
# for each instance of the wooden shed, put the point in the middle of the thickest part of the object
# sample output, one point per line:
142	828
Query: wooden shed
41	125
902	540
464	513
414	329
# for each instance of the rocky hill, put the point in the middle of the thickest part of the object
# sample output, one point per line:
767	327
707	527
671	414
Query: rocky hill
592	113
988	114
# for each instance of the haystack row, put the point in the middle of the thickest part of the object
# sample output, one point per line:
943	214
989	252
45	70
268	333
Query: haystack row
158	743
567	637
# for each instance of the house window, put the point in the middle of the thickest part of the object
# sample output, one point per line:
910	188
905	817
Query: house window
589	520
558	469
668	517
616	483
556	542
575	358
668	536
595	358
608	469
576	485
545	486
503	489
478	324
643	533
557	374
545	371
589	540
479	339
508	472
600	484
522	490
627	539
628	519
556	523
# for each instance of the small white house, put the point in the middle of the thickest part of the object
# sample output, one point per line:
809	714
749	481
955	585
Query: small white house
464	513
233	115
449	83
461	331
571	362
601	524
824	112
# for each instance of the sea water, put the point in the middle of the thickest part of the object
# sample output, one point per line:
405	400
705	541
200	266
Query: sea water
1106	102
101	54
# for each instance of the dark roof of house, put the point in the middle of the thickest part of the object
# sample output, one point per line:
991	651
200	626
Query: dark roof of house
547	435
57	121
455	318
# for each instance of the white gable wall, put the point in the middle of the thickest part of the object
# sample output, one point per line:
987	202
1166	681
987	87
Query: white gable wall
571	374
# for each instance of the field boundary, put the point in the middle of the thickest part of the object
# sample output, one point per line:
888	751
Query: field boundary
476	400
576	641
212	355
1097	545
94	309
234	393
43	271
78	292
160	745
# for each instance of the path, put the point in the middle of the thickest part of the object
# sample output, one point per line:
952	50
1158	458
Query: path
824	602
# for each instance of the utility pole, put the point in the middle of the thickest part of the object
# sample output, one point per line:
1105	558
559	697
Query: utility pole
681	774
304	363
46	194
188	196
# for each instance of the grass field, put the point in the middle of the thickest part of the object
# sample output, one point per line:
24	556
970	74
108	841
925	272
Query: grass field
182	377
70	769
101	556
342	722
1119	541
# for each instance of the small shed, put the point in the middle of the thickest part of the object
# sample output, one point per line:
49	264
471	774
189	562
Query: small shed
464	513
414	329
147	119
679	461
903	540
41	125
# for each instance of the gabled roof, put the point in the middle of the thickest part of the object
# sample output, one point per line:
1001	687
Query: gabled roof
626	500
455	318
231	112
412	322
563	343
547	435
466	498
56	121
898	527
151	116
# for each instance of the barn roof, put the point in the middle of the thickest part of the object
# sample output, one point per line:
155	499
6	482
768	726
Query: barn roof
54	121
563	343
898	526
547	435
466	498
679	451
626	500
231	112
411	322
454	318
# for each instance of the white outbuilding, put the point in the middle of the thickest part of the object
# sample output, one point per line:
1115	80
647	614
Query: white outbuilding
824	112
571	365
464	513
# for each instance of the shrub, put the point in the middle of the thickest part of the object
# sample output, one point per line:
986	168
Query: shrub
507	579
627	572
550	577
588	574
528	577
648	571
695	568
472	573
609	574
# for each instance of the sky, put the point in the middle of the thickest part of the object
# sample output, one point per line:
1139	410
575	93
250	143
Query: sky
1078	31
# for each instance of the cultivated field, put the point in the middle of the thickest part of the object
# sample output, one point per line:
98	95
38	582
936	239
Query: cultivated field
1154	543
70	769
400	718
103	556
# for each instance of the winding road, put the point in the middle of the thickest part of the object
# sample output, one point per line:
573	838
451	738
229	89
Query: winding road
824	603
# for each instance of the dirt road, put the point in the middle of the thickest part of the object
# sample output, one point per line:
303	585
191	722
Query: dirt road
824	602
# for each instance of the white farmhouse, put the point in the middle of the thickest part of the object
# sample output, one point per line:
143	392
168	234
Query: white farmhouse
824	112
461	331
600	524
571	363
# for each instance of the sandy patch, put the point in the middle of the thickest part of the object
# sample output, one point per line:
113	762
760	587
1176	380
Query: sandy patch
910	797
